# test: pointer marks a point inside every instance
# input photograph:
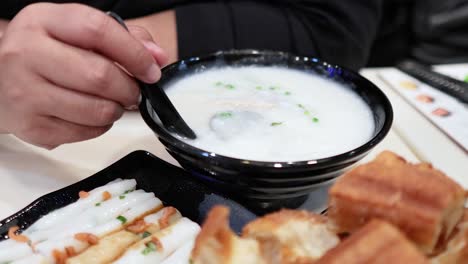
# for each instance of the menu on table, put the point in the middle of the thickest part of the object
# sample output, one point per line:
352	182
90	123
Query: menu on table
443	110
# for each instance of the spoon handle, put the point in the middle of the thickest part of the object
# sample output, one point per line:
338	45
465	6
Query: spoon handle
161	104
165	110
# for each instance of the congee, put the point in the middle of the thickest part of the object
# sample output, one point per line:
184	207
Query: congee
271	113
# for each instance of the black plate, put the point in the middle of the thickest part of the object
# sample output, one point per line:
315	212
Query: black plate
169	183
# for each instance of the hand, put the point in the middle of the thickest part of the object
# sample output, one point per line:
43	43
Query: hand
60	81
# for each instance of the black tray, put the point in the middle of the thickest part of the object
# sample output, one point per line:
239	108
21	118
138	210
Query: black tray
169	183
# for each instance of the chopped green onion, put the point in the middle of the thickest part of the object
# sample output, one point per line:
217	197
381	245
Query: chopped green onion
98	204
122	219
230	86
225	114
315	120
145	234
150	247
218	83
276	123
128	191
466	78
300	105
287	93
306	112
259	88
274	88
121	197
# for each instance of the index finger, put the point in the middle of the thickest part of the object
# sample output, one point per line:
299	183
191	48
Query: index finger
92	29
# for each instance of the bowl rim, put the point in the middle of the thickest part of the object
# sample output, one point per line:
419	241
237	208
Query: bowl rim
175	142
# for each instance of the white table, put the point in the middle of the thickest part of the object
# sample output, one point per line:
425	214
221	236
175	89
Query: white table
27	172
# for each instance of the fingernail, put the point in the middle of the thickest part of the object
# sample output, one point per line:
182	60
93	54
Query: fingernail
151	46
153	73
135	106
140	98
132	107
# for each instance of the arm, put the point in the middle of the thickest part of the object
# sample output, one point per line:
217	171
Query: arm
3	25
338	31
162	27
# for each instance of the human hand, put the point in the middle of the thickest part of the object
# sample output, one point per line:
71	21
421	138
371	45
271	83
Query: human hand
59	82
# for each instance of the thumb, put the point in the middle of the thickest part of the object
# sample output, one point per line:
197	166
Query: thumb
146	39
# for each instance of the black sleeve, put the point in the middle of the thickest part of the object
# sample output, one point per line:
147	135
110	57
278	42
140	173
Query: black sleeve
338	31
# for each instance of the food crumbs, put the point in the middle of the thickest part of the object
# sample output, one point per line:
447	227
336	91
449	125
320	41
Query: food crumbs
168	212
225	114
70	251
87	238
83	194
122	219
138	226
423	98
106	195
409	85
145	234
18	238
441	112
59	256
150	247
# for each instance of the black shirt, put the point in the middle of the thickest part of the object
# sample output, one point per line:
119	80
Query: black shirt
338	31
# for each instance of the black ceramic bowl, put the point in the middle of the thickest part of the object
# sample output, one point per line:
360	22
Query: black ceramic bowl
269	184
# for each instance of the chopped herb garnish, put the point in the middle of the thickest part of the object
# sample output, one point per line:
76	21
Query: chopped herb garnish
466	78
98	204
274	88
122	219
287	93
128	191
276	123
225	114
190	261
300	105
315	119
306	112
230	86
145	234
150	247
121	197
259	88
218	83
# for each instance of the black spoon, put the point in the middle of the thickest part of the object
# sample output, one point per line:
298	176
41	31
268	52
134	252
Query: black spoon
161	104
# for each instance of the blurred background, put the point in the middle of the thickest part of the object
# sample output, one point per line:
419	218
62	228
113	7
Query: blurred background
431	31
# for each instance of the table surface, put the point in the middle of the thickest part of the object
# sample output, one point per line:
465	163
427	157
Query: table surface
28	172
